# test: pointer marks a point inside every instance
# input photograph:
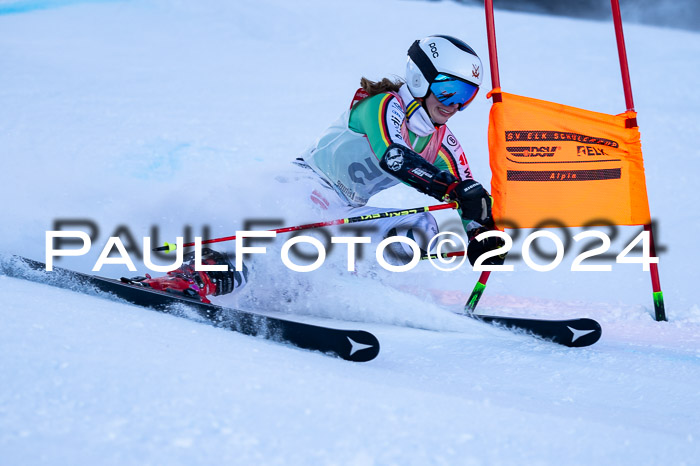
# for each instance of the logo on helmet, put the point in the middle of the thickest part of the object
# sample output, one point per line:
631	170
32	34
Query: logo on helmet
434	50
475	71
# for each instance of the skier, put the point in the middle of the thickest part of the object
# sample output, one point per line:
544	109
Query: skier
393	132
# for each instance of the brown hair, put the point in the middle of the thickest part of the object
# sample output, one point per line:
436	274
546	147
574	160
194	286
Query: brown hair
380	87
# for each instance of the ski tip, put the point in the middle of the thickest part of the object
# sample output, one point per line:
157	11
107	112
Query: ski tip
361	347
574	333
584	332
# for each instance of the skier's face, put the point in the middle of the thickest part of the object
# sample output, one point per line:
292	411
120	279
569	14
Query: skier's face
438	112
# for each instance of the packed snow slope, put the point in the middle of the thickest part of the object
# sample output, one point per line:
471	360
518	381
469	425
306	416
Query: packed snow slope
151	118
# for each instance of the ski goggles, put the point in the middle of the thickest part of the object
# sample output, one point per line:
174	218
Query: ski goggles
450	90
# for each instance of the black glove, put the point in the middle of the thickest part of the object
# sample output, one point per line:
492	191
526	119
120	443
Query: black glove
476	248
474	201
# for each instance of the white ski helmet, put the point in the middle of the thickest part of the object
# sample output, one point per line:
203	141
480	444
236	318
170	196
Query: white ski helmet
439	54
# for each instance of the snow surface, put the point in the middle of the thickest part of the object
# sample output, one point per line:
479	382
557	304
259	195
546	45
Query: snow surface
166	114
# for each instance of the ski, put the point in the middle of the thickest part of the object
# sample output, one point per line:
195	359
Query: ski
574	333
351	345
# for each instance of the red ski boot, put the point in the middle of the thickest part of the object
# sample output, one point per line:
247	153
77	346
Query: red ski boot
196	284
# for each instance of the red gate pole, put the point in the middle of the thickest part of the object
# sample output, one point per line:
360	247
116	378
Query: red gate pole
622	53
493	54
659	310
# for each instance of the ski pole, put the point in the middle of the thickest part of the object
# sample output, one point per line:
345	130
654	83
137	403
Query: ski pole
477	292
362	218
444	255
478	288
